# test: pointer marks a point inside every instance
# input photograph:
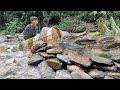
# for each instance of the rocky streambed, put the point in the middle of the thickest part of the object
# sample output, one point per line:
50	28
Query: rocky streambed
78	57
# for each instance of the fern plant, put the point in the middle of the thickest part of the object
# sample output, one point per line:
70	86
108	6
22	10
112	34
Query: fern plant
108	28
14	26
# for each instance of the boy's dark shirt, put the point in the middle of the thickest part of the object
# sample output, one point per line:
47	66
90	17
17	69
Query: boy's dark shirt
30	31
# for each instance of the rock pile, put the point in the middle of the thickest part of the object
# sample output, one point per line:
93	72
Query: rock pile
66	62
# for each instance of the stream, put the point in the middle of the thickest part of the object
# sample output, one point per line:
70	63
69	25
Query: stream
13	64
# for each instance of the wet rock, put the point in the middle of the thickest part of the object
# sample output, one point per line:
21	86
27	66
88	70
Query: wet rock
9	37
63	74
55	50
107	38
116	58
79	74
46	71
46	55
85	42
73	68
102	60
63	58
54	63
75	57
97	74
106	68
71	46
111	46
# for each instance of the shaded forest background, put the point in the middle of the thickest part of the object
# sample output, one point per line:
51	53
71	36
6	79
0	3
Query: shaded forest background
12	22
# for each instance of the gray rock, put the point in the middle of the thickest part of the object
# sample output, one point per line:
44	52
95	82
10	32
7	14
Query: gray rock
36	57
114	75
116	58
13	70
28	73
46	71
63	74
35	60
85	42
10	77
106	68
10	61
108	77
63	58
37	45
3	49
54	63
97	74
117	65
44	30
111	46
3	71
20	54
82	60
9	36
46	55
102	60
70	46
73	68
79	74
43	49
55	50
103	39
22	61
65	34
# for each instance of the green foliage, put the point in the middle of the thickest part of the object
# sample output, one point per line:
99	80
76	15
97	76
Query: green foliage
72	21
69	24
74	24
54	17
108	28
14	26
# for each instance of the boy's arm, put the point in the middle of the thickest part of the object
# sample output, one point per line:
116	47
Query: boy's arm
26	33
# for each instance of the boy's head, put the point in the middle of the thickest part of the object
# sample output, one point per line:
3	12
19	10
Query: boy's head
34	20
